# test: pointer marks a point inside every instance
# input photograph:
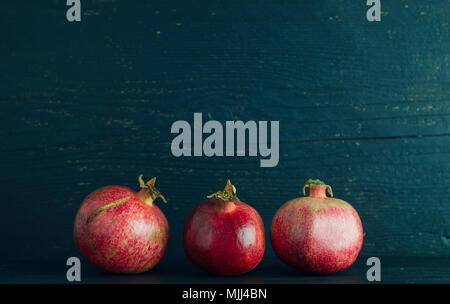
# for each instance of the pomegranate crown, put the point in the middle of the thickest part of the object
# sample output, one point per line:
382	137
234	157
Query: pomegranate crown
316	183
227	195
149	189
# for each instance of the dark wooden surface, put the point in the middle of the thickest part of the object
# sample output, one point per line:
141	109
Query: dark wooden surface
363	106
394	270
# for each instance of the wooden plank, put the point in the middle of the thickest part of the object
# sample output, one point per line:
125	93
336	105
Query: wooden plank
363	106
394	270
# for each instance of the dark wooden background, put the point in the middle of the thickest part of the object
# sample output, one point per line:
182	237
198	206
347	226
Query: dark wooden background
363	106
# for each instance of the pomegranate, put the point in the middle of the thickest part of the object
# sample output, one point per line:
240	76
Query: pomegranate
121	231
223	235
317	234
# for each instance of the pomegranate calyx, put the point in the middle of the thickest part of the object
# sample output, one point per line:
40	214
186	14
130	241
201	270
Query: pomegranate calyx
227	195
149	193
311	183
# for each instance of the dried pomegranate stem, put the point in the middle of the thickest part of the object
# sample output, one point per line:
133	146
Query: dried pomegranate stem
103	208
316	183
227	195
149	193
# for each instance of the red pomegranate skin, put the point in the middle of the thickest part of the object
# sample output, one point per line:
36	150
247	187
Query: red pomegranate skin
224	238
130	237
317	234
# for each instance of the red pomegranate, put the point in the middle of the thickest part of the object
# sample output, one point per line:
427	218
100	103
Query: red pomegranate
317	234
121	231
223	235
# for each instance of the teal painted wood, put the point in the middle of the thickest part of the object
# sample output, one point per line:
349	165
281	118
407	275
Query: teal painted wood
395	270
363	106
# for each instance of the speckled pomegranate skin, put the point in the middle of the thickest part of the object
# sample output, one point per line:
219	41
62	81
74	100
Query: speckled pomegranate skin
130	237
224	238
317	234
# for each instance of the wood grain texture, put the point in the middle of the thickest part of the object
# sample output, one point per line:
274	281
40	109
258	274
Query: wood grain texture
363	106
395	270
